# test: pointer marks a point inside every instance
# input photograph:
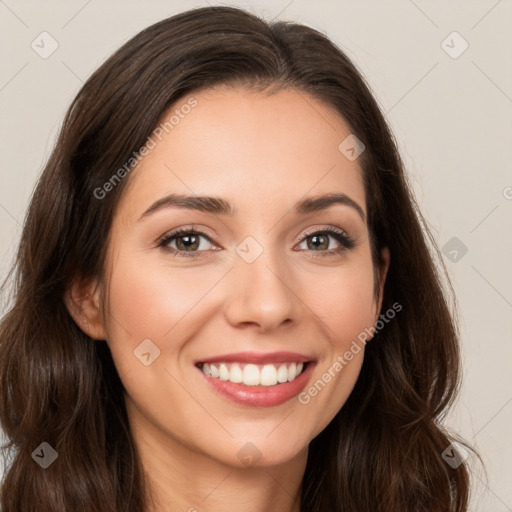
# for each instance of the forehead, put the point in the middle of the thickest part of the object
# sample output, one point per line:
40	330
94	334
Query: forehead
255	149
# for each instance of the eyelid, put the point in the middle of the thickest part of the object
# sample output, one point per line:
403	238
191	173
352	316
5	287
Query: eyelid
323	229
194	228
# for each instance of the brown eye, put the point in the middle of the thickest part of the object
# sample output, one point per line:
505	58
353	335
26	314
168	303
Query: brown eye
319	241
186	241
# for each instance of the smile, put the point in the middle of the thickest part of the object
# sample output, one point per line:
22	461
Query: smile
253	374
256	379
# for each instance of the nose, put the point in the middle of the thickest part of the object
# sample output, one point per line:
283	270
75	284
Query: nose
262	293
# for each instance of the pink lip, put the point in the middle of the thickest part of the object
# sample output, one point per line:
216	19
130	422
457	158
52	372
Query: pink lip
258	358
259	396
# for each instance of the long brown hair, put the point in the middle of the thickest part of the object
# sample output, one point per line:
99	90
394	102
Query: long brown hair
382	451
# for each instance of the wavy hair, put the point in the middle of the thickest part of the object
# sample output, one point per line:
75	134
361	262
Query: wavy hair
383	451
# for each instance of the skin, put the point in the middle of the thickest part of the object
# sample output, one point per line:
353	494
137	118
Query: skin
263	154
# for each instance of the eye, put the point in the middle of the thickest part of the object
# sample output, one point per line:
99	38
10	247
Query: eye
186	241
320	241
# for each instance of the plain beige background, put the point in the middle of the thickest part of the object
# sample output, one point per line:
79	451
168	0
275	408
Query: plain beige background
450	108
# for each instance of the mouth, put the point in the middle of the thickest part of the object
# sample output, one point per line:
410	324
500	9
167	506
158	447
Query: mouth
261	380
250	374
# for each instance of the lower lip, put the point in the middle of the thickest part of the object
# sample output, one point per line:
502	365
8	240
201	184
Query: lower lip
260	396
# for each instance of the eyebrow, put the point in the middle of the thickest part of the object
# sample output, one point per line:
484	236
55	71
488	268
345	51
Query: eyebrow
219	206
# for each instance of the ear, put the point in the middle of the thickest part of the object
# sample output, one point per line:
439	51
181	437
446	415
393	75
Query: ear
385	259
83	301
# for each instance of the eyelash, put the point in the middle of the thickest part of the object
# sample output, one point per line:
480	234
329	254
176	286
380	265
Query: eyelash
346	241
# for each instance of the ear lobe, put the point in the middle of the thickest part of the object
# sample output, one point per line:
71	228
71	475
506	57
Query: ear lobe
83	302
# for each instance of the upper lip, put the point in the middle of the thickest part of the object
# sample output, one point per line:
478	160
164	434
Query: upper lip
258	358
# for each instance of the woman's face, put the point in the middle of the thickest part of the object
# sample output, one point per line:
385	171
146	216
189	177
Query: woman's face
255	293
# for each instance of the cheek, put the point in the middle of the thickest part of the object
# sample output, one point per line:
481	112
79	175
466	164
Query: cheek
150	302
343	299
150	299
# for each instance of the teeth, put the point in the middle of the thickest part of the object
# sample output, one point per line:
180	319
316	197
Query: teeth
254	375
282	374
214	371
223	372
292	371
268	375
235	374
251	375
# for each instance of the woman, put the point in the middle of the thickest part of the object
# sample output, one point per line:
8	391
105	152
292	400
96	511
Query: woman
224	294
